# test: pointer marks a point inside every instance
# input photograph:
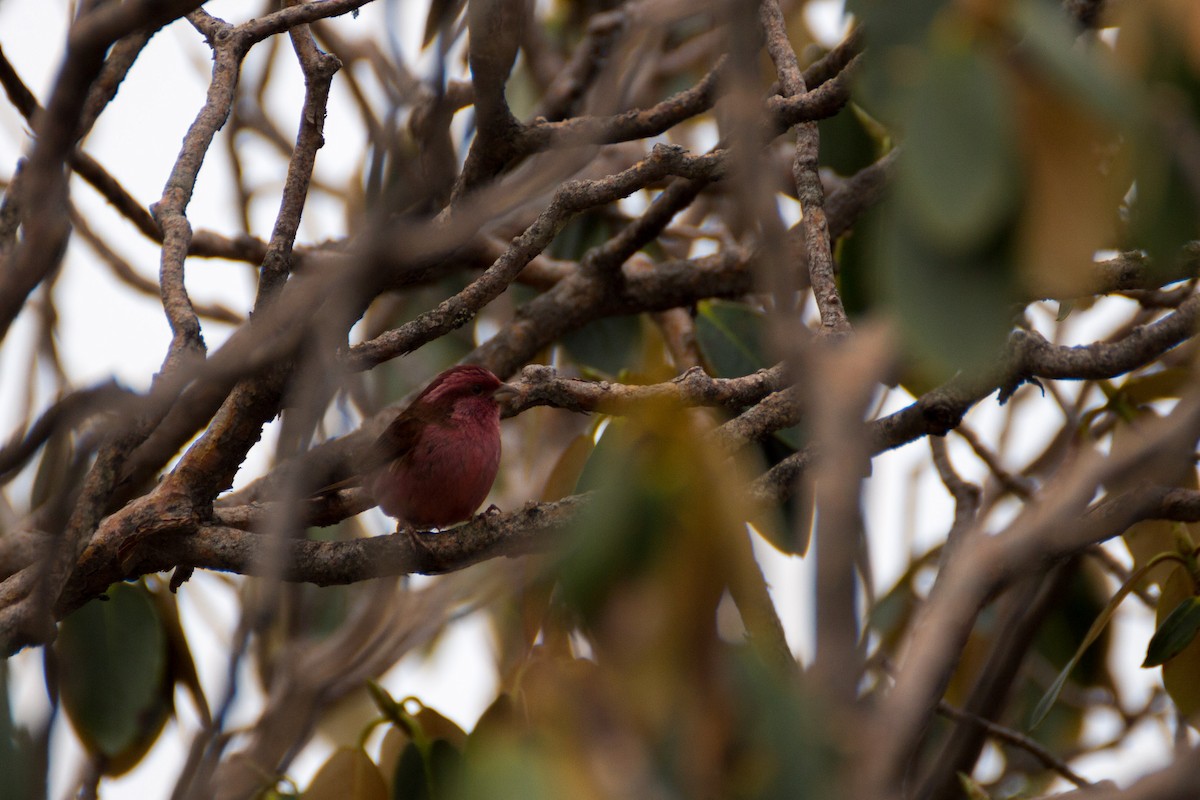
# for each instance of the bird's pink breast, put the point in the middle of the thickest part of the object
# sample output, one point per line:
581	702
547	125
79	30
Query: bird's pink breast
447	474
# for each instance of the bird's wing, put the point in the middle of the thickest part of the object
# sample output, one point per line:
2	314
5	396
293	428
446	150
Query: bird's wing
397	439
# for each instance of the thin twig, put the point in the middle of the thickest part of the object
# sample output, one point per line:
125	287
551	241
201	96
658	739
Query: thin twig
1016	739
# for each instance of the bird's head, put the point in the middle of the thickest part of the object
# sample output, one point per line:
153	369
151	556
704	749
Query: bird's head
463	389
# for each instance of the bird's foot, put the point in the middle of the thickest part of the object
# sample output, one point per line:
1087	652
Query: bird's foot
427	559
414	536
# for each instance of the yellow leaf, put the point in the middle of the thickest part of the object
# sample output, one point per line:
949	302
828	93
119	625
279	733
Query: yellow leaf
349	774
1180	673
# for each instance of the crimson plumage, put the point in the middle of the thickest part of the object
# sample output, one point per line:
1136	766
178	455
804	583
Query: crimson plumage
435	463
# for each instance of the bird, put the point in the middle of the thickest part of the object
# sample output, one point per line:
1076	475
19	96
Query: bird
435	463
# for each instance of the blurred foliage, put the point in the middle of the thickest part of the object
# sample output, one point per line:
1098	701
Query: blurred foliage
1020	144
1180	666
732	340
113	666
16	765
758	733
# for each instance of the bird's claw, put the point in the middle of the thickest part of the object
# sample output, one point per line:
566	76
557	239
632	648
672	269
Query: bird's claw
413	536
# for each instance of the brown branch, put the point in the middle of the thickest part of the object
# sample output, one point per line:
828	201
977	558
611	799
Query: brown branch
628	126
44	209
1015	739
577	300
207	244
157	538
116	67
1038	358
605	261
822	102
110	464
779	410
809	191
540	386
260	28
68	411
124	272
170	212
1029	356
588	58
1041	534
45	222
568	306
210	464
1017	484
965	494
495	33
840	383
18	93
1020	615
570	199
829	65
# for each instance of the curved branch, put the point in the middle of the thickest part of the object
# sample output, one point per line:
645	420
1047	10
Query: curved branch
628	126
809	190
156	539
541	386
1029	356
44	209
570	199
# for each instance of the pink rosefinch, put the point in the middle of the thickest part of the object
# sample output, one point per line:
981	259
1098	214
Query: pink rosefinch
435	464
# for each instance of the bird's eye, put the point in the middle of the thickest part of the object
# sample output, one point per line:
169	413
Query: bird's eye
477	389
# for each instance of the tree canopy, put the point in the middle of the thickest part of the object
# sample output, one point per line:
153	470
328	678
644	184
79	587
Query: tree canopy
730	266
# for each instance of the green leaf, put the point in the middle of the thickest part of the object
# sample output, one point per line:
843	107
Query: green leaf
897	29
1044	705
510	767
788	526
440	728
955	311
781	726
730	336
411	781
1049	41
731	339
581	234
1177	632
181	667
445	766
1159	385
607	345
847	143
856	273
625	533
895	22
1165	211
960	170
387	705
113	659
1179	673
15	761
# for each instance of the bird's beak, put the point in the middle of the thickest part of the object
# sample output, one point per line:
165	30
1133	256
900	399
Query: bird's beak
506	391
504	395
